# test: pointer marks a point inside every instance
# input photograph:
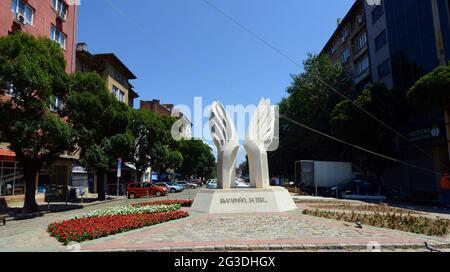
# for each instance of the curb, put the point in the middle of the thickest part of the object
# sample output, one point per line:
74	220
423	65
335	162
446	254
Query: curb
10	218
286	247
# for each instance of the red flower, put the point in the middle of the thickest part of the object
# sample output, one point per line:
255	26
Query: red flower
91	228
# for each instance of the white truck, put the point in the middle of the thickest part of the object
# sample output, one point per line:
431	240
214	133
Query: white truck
322	174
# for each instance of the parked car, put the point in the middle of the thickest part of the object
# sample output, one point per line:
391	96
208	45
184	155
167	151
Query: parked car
141	189
178	187
199	182
358	186
173	188
212	184
186	184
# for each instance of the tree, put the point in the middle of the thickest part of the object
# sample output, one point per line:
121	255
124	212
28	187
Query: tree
351	124
432	92
198	159
243	167
34	70
310	102
147	131
100	124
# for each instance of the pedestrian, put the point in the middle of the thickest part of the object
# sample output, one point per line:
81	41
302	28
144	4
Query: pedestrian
445	190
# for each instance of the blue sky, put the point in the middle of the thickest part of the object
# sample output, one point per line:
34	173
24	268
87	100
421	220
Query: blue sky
183	48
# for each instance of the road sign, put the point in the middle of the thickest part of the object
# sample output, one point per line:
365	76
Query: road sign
119	167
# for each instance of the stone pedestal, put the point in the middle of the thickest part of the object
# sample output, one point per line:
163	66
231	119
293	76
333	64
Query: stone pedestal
240	200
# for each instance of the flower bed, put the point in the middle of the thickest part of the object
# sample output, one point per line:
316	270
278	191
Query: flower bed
125	210
183	203
401	221
84	229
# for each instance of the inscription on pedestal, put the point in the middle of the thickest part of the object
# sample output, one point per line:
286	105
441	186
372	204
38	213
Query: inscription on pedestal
243	200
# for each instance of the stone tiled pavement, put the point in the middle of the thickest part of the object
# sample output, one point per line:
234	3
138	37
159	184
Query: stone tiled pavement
200	232
287	231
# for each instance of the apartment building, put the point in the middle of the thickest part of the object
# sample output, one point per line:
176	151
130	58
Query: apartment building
57	20
398	42
112	69
408	39
159	109
348	45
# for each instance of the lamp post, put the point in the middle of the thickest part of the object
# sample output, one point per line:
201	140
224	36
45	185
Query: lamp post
119	173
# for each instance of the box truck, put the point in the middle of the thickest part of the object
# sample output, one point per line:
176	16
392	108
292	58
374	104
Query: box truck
322	174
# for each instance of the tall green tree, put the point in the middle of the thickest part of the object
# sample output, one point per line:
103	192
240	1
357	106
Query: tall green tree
432	91
198	159
311	102
100	124
33	70
153	145
351	124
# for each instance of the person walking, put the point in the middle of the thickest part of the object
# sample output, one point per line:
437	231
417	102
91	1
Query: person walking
445	190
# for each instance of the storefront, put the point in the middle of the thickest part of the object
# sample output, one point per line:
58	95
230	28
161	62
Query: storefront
11	175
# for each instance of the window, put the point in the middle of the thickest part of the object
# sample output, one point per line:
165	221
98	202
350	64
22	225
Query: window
9	88
380	40
58	103
119	77
344	34
345	56
361	42
359	19
118	94
22	8
333	49
361	65
384	69
58	37
60	7
377	13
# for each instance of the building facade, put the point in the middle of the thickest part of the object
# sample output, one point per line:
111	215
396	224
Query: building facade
159	109
57	20
112	69
408	39
405	39
348	45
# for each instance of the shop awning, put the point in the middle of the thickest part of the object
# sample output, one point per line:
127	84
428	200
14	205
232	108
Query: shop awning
7	155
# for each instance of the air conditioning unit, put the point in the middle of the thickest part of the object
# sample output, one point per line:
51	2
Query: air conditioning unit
20	18
61	16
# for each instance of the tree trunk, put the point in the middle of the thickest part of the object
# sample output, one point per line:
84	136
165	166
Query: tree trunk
139	175
30	173
447	127
101	181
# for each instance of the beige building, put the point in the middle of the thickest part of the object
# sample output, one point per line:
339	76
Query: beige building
112	69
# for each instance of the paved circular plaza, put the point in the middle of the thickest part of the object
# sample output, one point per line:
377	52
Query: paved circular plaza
201	232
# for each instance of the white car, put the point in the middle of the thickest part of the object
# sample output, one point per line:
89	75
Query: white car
186	184
212	184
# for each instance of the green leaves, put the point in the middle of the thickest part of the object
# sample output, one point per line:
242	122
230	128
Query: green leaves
432	90
36	69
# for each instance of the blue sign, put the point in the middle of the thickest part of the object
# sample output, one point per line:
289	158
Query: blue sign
119	167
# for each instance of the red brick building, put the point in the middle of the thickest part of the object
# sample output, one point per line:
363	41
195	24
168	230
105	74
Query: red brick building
55	19
157	108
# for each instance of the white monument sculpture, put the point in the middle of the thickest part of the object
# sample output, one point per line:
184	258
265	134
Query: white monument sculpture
260	197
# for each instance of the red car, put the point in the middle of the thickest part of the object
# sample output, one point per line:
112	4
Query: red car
141	189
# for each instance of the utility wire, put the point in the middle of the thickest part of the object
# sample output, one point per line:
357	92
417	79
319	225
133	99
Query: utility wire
255	35
356	146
